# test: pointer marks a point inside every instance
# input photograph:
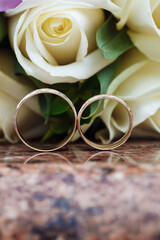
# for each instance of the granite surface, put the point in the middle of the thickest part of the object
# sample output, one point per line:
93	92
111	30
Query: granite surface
80	194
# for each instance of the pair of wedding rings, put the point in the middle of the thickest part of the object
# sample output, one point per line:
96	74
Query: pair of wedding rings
77	121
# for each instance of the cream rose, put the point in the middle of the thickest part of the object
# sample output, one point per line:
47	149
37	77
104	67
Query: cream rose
12	90
137	83
142	19
56	41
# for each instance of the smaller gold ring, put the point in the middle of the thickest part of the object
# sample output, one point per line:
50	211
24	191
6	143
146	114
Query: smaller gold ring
114	144
45	91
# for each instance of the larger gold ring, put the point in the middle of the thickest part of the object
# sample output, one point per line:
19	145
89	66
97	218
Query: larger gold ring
116	143
46	91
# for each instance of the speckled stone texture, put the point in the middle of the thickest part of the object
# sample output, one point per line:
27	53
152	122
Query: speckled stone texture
80	194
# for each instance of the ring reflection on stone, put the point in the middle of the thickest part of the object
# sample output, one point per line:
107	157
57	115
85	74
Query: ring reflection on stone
44	146
112	145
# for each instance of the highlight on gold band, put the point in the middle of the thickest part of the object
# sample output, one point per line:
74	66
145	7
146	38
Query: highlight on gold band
43	129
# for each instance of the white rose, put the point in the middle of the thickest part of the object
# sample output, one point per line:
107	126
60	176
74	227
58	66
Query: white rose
142	19
137	83
56	41
12	90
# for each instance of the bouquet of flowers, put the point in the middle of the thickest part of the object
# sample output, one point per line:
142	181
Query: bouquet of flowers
82	48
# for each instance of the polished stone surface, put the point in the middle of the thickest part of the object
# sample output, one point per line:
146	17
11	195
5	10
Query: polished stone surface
79	193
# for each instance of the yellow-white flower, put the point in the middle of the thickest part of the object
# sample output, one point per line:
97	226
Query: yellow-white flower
137	83
55	41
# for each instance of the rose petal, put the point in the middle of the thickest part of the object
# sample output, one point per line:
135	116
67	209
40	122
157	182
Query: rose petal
17	87
133	86
141	18
69	73
126	8
41	48
63	4
132	62
155	120
147	129
12	90
147	44
144	108
7	108
88	24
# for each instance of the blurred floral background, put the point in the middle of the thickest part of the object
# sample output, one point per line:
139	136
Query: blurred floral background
82	48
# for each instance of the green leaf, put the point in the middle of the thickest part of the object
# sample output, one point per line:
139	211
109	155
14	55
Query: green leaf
38	83
111	42
48	135
61	125
90	88
60	106
18	69
3	27
104	78
91	110
45	103
64	86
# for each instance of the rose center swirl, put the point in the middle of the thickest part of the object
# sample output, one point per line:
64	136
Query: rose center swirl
56	27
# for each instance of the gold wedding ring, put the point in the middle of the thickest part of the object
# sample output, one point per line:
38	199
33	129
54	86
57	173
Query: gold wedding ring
49	147
76	122
116	143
